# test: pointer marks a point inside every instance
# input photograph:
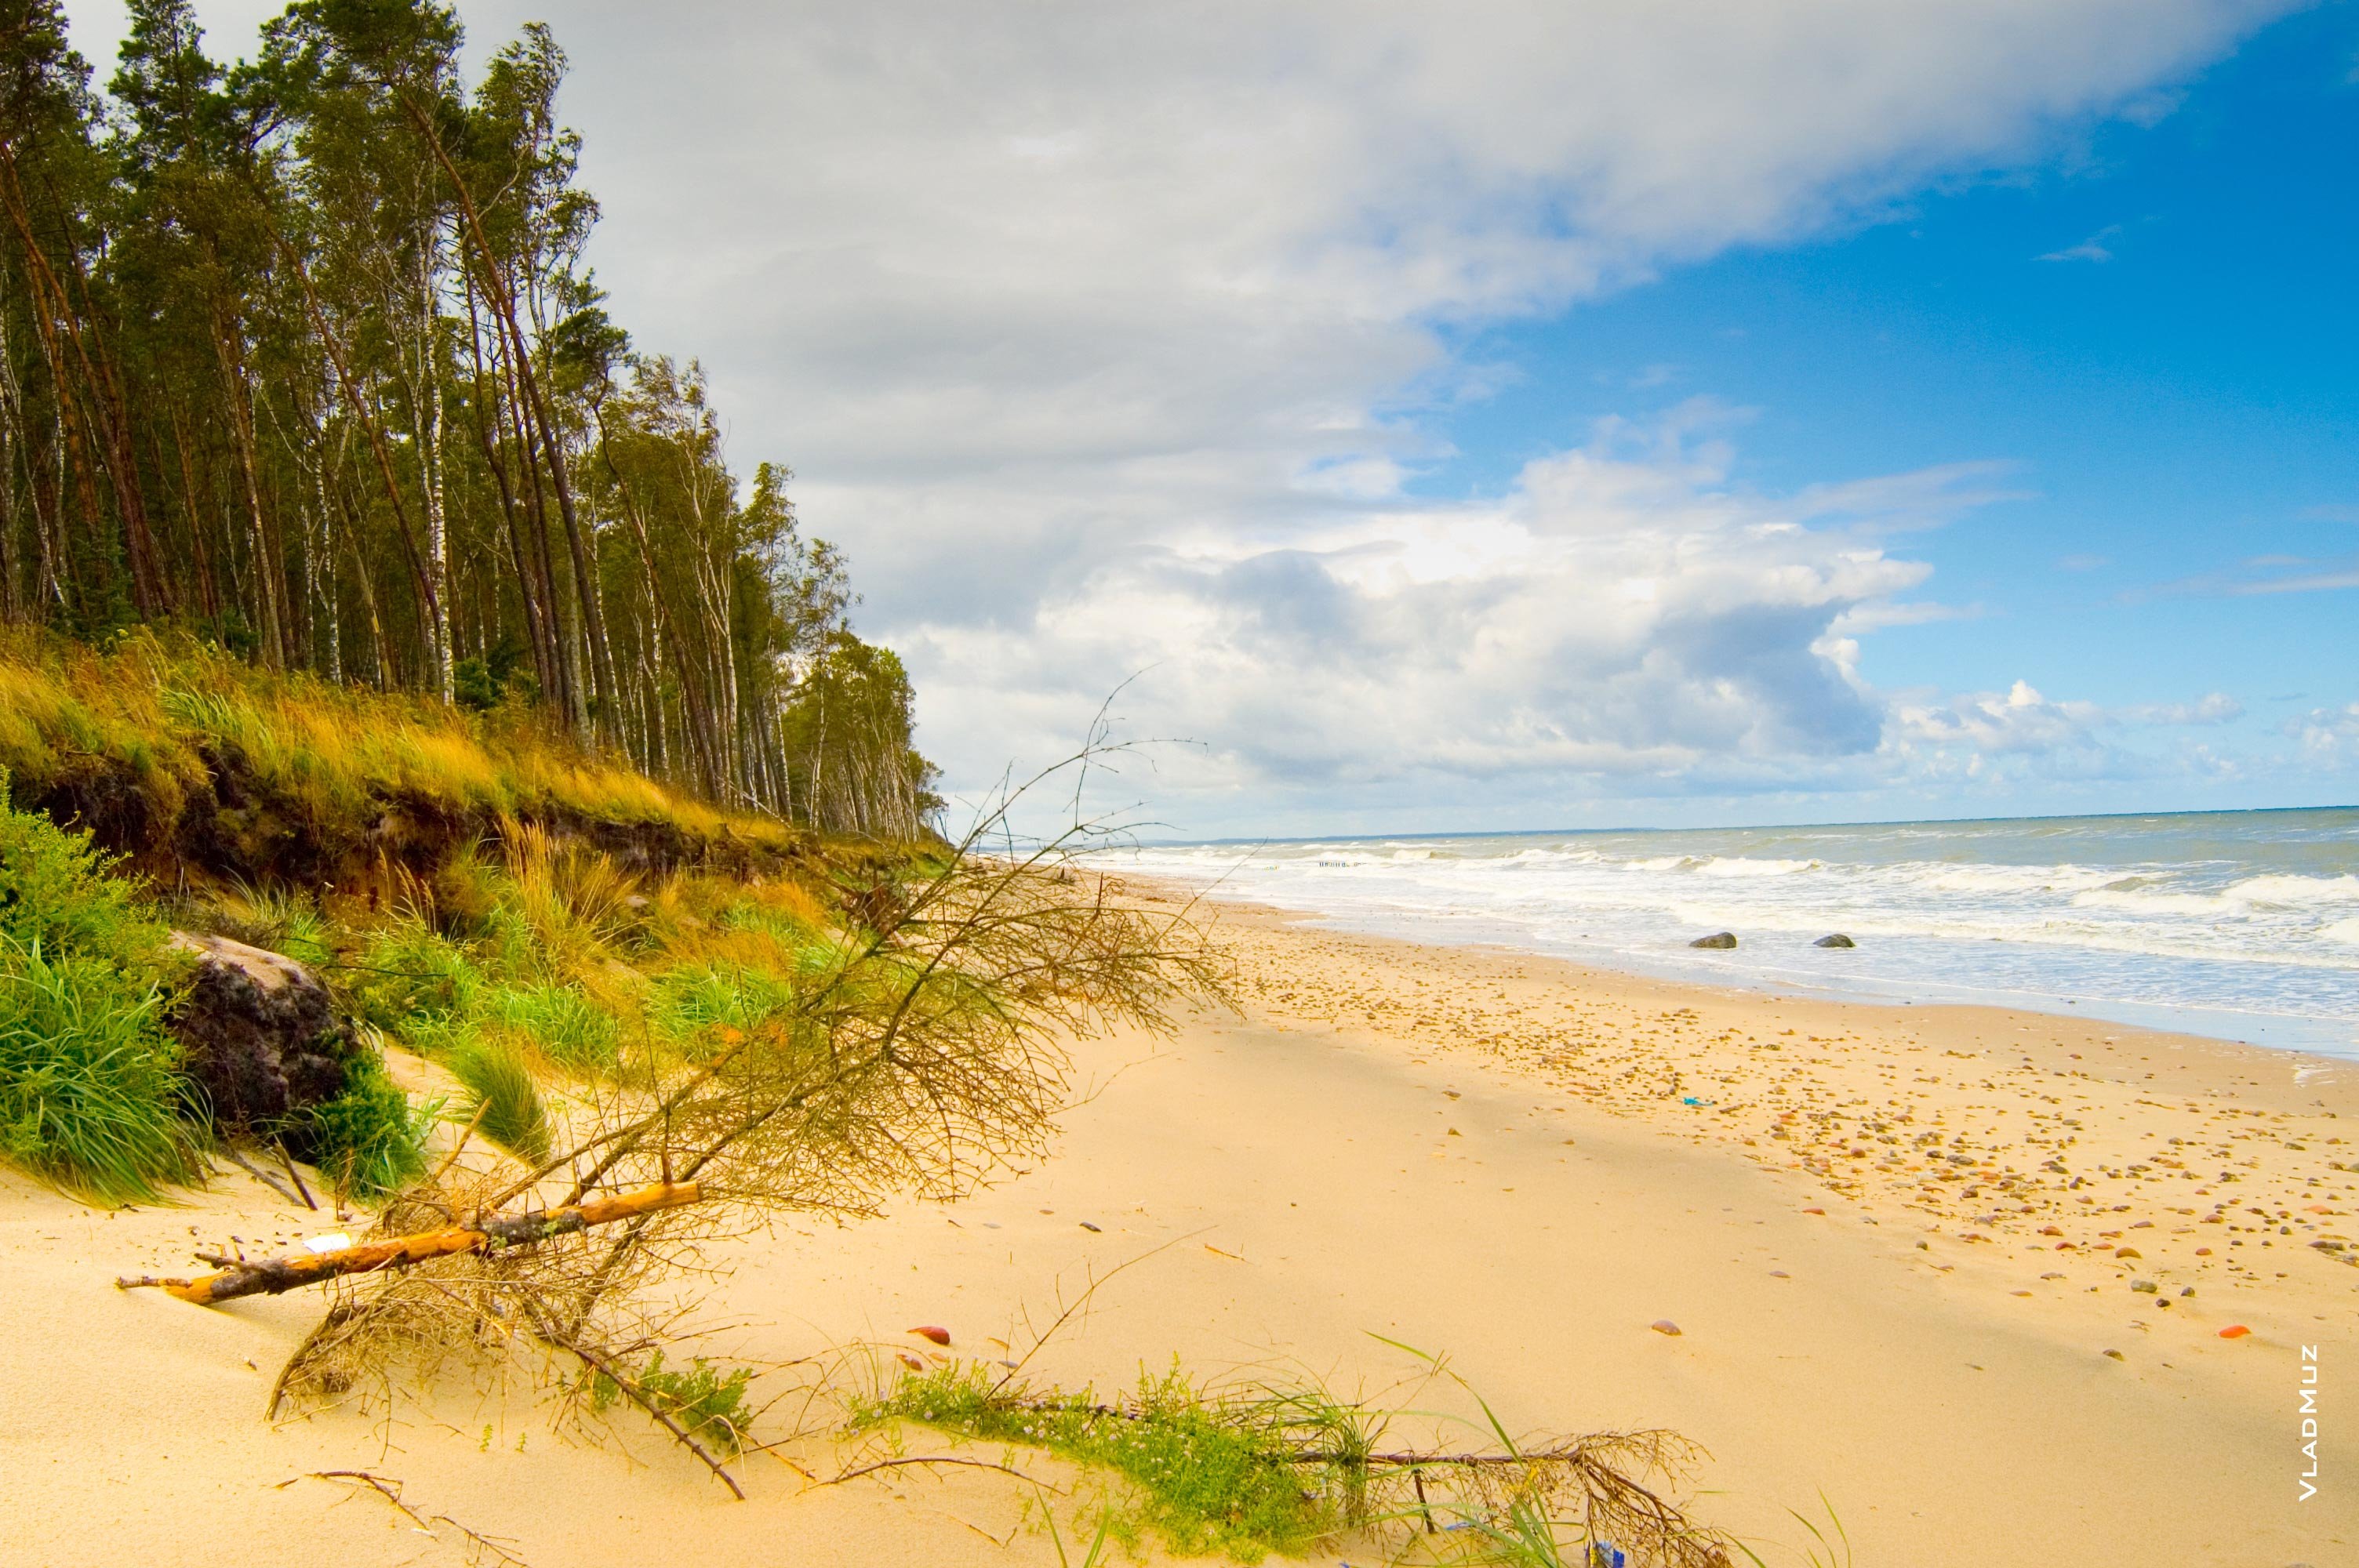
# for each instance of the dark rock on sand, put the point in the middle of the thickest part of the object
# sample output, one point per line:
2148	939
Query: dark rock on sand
260	1037
1837	940
1717	939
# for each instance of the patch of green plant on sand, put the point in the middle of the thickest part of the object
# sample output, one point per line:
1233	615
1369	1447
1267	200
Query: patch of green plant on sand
1207	1475
1251	1469
706	1401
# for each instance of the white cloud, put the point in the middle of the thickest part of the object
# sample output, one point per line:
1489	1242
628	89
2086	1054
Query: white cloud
2328	733
2215	707
2093	249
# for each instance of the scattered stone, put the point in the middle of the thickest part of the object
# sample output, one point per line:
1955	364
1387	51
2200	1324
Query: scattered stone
1835	940
2122	1252
1665	1326
2117	1355
1717	939
927	1331
2144	1287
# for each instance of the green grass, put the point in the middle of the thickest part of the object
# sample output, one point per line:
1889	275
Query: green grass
1209	1475
504	1102
565	1026
89	1099
89	1095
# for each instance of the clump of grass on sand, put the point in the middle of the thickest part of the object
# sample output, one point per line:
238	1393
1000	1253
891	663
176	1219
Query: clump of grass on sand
1257	1468
89	1095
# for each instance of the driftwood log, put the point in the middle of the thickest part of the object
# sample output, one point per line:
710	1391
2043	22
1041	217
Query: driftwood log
274	1276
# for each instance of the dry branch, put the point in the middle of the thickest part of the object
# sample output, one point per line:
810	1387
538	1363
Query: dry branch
274	1276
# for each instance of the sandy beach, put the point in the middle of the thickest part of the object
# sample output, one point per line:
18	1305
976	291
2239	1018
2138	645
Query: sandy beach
1907	1250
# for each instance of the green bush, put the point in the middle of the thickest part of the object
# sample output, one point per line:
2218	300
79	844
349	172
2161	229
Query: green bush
370	1140
55	892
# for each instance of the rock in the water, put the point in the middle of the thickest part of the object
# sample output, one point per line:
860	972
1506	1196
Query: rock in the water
260	1034
1717	939
1837	940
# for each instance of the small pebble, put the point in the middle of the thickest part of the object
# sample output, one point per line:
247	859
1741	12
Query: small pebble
1665	1326
2117	1355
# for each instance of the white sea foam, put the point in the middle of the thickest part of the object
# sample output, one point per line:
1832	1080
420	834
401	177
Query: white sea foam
2227	916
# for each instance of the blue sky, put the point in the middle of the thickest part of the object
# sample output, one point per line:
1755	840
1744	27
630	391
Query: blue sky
2174	389
1500	414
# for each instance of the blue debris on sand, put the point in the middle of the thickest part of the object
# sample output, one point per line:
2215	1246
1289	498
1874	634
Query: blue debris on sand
1691	1099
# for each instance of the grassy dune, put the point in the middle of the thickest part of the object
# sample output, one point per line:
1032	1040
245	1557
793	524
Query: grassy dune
191	762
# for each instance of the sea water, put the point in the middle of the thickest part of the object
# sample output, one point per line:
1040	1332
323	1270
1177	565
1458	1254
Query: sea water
2242	926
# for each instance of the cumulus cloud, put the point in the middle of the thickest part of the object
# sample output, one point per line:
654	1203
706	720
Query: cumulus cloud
2328	733
1624	611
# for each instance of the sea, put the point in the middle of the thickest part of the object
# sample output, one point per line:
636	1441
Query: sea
2241	926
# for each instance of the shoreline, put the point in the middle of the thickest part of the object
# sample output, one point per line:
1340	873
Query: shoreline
2306	1032
1902	1247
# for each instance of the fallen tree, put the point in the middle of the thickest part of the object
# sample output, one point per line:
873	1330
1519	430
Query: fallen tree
274	1276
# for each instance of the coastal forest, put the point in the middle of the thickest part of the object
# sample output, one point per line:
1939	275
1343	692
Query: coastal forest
301	357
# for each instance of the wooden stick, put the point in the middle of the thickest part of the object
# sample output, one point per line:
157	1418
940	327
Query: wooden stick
274	1276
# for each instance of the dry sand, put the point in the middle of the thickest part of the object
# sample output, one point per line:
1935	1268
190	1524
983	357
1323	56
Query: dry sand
1899	1242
